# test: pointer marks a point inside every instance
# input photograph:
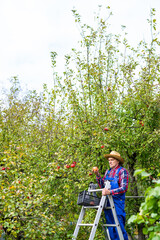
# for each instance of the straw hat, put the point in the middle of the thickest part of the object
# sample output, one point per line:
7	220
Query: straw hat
115	155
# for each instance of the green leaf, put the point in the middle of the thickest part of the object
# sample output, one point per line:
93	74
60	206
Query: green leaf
156	237
142	173
145	231
154	215
138	171
145	174
132	219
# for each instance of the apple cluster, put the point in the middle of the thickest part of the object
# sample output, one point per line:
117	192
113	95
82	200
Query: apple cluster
141	122
68	166
3	168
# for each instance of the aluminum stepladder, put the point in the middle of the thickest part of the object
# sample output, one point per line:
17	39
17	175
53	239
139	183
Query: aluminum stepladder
99	208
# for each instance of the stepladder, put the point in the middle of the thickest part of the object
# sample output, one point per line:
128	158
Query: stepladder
99	207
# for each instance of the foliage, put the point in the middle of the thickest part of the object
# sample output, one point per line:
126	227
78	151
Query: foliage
108	100
149	212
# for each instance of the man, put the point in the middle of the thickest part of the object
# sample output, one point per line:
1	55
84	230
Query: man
118	177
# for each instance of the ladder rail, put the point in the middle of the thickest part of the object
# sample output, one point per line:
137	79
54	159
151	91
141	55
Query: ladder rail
115	218
98	215
75	234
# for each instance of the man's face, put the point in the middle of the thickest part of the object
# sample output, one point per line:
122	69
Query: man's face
113	162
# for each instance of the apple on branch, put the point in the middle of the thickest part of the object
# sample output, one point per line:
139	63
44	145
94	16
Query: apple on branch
73	165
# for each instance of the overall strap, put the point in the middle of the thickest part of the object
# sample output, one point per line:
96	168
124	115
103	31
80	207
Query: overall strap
108	172
117	173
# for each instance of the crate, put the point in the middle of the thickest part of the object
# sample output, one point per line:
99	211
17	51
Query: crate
88	199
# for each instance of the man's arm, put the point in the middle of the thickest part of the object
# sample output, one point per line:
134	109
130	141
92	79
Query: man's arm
100	180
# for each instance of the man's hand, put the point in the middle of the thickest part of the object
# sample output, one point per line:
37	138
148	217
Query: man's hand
105	192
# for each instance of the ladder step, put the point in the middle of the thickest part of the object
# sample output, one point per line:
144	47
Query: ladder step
110	225
91	206
97	207
85	224
107	208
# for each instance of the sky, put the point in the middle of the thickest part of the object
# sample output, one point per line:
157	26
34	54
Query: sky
31	29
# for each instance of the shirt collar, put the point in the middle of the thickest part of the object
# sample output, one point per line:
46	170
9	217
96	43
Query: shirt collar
114	169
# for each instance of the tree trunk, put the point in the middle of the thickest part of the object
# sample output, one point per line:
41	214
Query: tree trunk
134	190
141	236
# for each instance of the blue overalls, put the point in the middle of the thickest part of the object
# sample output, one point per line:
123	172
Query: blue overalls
119	202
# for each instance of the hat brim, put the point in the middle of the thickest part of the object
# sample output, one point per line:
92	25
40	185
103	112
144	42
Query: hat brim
121	160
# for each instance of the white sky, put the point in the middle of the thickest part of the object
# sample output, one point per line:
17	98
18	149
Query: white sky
31	29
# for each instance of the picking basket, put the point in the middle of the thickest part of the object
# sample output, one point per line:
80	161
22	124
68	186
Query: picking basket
87	199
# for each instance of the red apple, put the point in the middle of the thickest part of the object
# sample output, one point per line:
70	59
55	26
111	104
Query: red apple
90	174
73	165
102	146
106	129
3	168
85	121
95	169
141	122
67	166
74	162
58	167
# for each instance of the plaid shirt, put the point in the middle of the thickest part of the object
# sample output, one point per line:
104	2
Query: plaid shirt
122	182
